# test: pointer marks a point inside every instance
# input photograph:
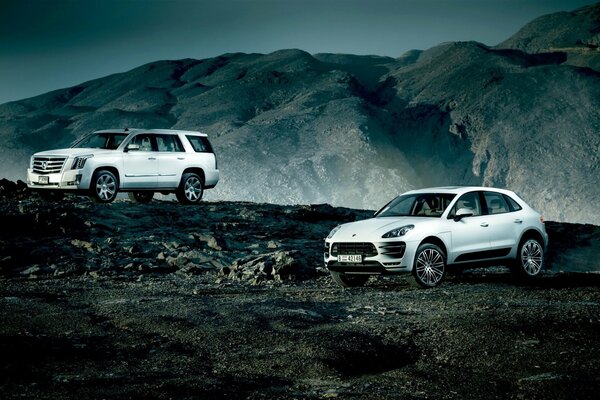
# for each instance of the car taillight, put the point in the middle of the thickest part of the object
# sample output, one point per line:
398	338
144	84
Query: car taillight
542	219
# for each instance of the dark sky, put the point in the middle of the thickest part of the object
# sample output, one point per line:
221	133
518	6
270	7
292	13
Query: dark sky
46	45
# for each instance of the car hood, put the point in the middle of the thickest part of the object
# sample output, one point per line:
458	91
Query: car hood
373	228
73	152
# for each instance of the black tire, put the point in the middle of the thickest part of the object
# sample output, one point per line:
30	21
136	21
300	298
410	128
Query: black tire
530	258
347	281
429	267
142	196
104	186
190	189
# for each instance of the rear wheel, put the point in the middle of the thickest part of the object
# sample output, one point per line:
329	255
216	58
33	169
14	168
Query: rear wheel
190	189
141	196
104	186
349	280
530	258
429	267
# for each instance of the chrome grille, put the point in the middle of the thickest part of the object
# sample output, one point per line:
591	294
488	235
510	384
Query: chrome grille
395	250
363	248
48	165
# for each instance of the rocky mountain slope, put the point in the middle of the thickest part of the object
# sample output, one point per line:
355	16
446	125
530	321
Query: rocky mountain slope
576	33
290	127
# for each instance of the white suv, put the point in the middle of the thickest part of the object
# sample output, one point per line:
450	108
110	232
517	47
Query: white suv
138	161
423	231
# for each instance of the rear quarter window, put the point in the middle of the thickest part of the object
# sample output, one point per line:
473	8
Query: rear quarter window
200	144
514	206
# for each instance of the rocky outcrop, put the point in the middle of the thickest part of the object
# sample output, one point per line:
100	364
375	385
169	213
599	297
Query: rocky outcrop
226	242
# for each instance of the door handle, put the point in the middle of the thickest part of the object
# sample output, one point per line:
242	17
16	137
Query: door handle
518	221
181	158
151	158
484	224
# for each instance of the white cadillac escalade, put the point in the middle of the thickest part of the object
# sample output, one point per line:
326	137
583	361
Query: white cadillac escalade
137	161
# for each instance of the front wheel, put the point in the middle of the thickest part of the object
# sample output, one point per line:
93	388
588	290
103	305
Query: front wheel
141	196
190	189
347	281
429	267
530	258
104	186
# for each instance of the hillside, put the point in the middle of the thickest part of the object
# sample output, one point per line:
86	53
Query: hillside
576	33
291	127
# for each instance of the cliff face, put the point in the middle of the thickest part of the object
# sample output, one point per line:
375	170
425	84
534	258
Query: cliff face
290	127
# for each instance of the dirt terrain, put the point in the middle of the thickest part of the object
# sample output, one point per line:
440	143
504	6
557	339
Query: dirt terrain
227	300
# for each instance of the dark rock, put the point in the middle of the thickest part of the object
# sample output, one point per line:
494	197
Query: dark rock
279	266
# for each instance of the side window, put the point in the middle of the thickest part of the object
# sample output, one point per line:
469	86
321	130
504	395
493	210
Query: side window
144	141
169	143
514	206
495	202
467	200
200	144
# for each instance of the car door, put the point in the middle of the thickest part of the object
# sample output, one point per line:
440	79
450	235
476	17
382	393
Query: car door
172	160
504	224
470	235
140	167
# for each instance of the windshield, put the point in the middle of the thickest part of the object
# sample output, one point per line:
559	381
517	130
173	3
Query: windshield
417	205
105	140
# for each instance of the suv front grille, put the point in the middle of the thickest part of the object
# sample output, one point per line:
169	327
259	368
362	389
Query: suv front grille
395	250
48	165
363	248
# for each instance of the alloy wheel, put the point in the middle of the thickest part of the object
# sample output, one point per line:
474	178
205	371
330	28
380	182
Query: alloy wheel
105	187
193	189
531	257
430	266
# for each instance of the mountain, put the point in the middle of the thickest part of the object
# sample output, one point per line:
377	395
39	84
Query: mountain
576	33
291	127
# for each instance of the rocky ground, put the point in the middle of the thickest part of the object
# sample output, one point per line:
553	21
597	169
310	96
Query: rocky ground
227	300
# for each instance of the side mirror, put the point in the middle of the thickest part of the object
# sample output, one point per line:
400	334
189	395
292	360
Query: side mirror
132	147
463	212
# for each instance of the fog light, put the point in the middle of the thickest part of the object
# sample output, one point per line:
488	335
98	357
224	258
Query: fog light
76	181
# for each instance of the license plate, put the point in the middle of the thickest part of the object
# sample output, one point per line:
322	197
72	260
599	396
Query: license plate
43	180
354	258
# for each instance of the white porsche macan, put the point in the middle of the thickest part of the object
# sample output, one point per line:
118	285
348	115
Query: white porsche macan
422	232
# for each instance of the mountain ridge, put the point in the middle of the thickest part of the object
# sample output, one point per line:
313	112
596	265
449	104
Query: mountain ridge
291	127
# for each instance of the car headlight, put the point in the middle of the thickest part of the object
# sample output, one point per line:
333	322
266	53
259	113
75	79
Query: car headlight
79	162
333	231
398	231
31	162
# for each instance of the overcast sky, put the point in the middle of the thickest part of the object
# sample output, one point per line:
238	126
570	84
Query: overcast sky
46	45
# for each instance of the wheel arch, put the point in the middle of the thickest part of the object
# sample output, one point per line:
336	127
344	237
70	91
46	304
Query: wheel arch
532	233
196	170
436	241
110	168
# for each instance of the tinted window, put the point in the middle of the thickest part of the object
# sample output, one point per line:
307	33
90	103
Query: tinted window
469	201
514	206
144	140
418	205
200	144
168	143
107	140
495	202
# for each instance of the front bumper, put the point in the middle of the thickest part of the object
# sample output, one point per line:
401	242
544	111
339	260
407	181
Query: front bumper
64	180
384	262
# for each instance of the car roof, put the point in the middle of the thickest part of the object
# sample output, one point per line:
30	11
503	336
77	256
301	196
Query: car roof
458	190
165	131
